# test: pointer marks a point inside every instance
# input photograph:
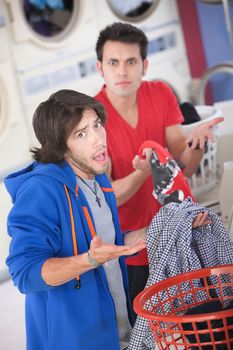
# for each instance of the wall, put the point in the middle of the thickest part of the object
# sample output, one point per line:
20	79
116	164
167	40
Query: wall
216	46
208	43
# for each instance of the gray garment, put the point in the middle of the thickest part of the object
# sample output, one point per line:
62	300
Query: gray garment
105	229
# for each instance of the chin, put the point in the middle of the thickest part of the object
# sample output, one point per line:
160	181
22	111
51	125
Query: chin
102	170
124	93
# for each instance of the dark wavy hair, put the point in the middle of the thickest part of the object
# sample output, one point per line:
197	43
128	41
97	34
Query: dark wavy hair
55	119
122	32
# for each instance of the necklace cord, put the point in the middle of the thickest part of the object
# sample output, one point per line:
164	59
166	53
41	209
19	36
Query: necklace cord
97	198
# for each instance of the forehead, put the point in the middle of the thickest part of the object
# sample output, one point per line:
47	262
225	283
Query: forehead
88	116
117	49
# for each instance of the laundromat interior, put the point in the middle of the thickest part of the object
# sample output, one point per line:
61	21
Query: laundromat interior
44	49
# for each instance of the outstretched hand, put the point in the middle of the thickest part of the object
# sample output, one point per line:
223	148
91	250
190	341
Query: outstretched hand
103	252
203	133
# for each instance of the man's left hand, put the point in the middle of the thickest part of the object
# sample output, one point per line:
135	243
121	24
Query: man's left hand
203	133
201	220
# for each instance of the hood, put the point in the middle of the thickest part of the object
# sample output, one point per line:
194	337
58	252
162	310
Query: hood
62	173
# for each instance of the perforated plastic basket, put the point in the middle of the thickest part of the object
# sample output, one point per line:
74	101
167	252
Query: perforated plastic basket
166	303
206	176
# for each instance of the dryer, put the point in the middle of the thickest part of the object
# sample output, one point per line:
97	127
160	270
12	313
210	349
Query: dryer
14	144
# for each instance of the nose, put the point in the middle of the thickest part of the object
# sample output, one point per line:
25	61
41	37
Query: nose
98	138
122	71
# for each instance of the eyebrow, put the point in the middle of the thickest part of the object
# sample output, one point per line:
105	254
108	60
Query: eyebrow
86	126
117	59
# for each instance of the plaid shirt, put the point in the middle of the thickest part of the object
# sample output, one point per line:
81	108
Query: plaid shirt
174	247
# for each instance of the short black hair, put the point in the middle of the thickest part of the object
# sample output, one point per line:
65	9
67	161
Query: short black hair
55	119
122	32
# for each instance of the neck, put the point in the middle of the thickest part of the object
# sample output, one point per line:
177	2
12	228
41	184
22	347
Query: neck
127	107
82	178
80	173
122	102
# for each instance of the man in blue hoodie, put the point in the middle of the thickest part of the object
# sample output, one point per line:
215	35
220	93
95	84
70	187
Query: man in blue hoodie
66	251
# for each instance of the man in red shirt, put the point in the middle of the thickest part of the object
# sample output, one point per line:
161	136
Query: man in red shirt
138	111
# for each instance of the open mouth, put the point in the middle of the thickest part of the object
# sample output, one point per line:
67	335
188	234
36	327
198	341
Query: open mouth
101	156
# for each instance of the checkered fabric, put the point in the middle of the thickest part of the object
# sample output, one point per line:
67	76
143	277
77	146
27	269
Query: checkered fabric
174	247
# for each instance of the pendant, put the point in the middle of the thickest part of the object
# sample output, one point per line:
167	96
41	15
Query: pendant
98	201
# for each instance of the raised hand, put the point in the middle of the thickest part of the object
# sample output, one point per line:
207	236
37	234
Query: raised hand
203	133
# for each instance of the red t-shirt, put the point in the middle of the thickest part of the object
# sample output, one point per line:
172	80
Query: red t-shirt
157	109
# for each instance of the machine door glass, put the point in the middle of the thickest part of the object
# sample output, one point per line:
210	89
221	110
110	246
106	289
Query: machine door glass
49	18
134	10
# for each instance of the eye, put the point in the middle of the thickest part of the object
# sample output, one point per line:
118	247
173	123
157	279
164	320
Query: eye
81	135
132	61
112	62
98	125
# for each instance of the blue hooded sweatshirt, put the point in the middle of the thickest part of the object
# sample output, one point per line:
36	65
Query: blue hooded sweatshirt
39	224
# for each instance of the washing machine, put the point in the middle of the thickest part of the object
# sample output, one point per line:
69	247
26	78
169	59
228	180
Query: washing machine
148	15
4	39
43	35
77	72
168	60
14	144
14	141
52	49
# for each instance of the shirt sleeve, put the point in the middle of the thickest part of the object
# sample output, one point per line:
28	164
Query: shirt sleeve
33	225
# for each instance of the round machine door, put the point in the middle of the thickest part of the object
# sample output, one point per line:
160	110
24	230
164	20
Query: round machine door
224	73
134	10
45	22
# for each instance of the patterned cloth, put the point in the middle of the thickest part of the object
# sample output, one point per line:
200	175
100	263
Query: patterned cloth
169	182
174	247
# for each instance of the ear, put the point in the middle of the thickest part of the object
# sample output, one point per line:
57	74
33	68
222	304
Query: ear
145	66
99	67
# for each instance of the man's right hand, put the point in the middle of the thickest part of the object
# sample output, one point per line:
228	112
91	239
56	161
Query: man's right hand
103	252
143	163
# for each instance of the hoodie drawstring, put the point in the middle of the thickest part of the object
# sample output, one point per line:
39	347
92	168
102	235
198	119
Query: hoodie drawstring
73	233
89	222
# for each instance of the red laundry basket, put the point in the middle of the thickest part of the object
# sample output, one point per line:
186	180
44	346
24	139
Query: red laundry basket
165	305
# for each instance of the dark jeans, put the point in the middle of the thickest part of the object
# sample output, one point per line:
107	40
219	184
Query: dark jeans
138	276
